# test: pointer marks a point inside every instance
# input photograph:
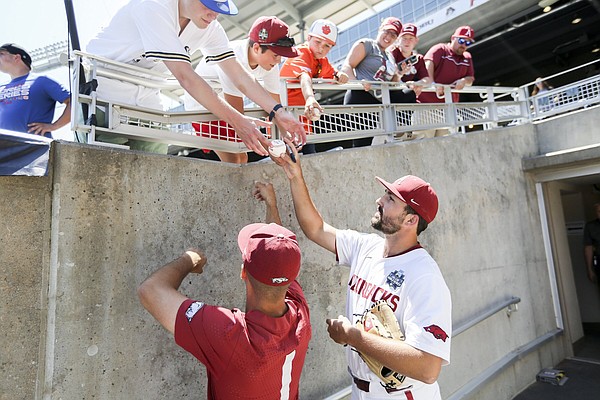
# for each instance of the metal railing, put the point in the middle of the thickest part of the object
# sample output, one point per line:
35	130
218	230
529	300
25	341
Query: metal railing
337	123
566	98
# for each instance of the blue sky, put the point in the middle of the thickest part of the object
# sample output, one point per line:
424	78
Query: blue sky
37	23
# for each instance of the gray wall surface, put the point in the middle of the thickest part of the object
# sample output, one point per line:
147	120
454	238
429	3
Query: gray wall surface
118	215
24	260
576	129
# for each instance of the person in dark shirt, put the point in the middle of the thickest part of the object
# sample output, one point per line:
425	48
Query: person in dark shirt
591	246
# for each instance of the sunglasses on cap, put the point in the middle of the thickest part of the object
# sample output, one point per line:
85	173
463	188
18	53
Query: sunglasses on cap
464	41
283	42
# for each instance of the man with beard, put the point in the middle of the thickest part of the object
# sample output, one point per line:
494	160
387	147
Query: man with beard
449	64
395	268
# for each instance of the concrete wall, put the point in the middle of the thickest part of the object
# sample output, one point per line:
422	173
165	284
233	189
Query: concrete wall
24	260
118	215
576	129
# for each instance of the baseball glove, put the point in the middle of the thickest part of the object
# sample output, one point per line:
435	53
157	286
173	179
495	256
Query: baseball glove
380	320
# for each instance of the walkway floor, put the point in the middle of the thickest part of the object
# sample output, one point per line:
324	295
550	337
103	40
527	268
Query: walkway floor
582	371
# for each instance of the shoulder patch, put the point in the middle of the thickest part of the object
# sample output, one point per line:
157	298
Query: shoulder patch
193	309
437	332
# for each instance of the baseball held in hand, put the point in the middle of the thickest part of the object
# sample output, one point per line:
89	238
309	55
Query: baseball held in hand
277	148
316	114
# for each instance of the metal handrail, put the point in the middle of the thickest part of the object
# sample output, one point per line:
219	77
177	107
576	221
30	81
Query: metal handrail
486	314
474	385
388	120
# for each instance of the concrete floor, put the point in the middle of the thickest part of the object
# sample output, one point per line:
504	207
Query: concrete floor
582	371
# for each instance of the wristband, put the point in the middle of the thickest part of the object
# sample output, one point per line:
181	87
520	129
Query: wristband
274	110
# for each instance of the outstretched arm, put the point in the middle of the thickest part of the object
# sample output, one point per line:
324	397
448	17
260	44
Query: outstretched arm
308	216
158	293
253	90
264	192
245	127
311	104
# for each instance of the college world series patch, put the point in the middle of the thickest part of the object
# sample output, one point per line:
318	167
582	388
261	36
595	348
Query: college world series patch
193	309
395	279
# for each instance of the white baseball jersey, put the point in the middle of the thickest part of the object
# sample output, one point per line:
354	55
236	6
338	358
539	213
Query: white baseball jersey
270	79
146	32
413	286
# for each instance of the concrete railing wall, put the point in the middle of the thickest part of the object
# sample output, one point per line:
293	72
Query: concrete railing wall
74	329
576	129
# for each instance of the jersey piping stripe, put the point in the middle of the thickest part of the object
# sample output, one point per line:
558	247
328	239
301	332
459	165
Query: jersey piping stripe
286	376
167	56
464	63
220	57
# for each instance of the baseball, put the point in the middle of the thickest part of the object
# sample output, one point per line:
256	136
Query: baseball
316	114
277	148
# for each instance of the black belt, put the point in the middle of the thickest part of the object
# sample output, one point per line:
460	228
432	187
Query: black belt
364	385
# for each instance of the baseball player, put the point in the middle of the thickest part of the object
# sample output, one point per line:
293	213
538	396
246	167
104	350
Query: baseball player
256	354
160	35
260	55
394	268
312	63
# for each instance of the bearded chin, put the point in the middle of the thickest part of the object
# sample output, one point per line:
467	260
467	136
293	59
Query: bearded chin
377	224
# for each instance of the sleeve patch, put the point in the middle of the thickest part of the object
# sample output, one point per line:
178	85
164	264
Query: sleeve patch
193	309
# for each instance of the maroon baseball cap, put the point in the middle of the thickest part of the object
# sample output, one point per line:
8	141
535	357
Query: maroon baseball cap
465	32
409	29
273	32
393	24
415	192
270	252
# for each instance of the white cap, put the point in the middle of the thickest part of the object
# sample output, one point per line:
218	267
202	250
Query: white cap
324	29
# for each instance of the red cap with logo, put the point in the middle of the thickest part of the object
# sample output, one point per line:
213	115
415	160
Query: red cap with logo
391	23
465	32
270	252
415	192
409	29
273	32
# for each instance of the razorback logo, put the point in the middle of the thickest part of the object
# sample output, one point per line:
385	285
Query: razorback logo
437	332
326	29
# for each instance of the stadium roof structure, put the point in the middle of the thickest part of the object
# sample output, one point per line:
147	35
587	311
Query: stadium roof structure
298	14
516	40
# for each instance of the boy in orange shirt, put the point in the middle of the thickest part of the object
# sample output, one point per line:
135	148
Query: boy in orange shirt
312	63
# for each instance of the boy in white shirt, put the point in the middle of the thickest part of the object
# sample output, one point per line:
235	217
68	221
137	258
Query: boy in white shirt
260	55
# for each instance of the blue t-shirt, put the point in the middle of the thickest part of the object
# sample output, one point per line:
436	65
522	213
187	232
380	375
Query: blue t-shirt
27	99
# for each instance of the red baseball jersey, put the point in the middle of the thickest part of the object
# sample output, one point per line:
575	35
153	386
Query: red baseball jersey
305	62
247	355
449	67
